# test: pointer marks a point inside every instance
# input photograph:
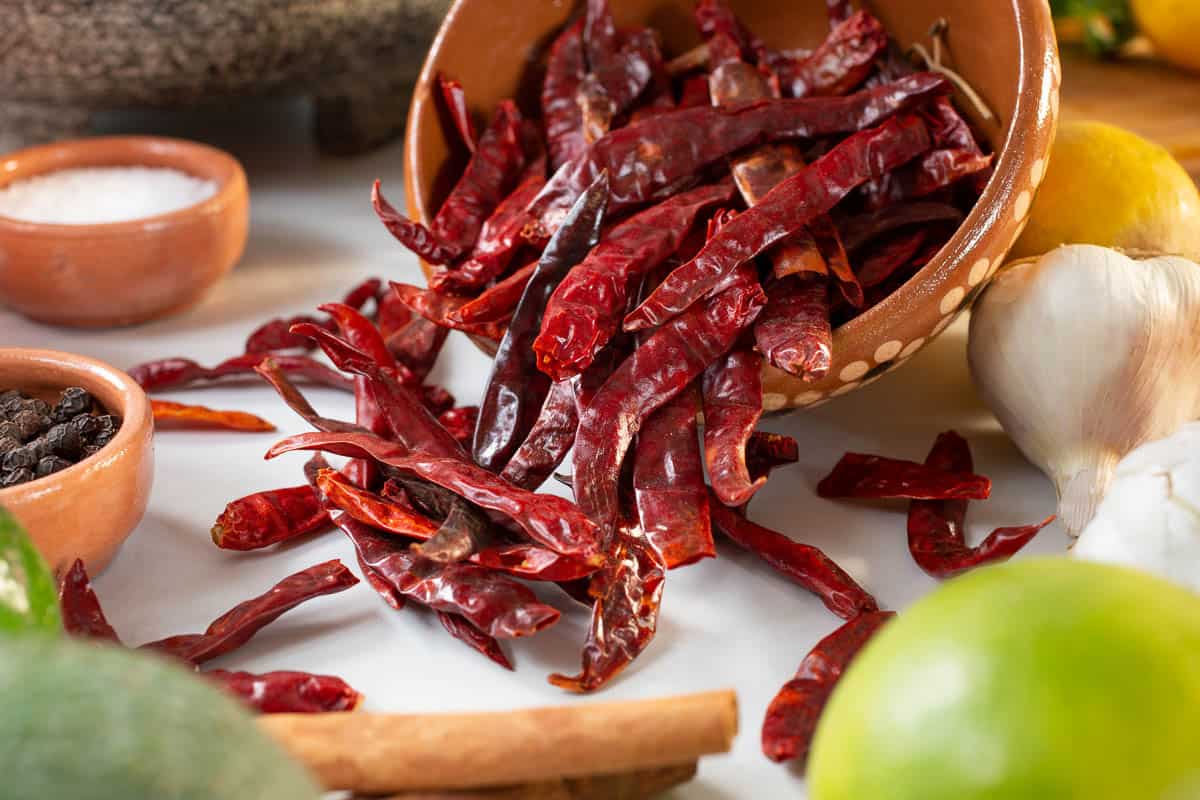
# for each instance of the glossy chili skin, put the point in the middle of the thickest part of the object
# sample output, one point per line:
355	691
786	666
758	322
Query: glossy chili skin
461	628
858	475
802	563
179	373
287	692
82	615
655	157
441	309
584	312
416	344
169	415
235	627
668	481
628	595
793	331
793	203
489	176
275	334
840	63
936	170
610	88
459	422
792	716
265	518
516	389
371	509
454	98
732	389
936	527
548	441
566	67
497	303
663	365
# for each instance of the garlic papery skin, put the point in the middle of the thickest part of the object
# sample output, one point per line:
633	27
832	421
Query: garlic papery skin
1150	518
1085	353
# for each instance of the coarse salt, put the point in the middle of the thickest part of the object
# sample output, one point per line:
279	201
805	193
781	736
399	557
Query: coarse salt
90	195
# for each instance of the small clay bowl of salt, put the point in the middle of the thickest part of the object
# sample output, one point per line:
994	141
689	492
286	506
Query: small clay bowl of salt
114	231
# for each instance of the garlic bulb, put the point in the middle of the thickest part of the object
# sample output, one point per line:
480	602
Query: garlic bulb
1084	354
1150	518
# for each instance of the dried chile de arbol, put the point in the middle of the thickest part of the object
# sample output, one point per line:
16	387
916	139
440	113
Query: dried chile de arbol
566	68
495	304
169	415
802	563
793	330
548	441
82	615
276	334
235	627
265	518
793	203
371	509
441	310
664	364
455	99
840	63
936	527
610	88
461	628
584	312
286	692
180	373
516	389
654	157
732	388
791	718
858	475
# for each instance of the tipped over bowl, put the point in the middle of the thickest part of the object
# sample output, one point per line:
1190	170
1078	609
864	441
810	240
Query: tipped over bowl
1005	50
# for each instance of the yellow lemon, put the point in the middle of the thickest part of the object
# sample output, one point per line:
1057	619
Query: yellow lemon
1173	26
1109	187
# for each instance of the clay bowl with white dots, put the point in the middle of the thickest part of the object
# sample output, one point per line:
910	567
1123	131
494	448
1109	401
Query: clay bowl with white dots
1005	49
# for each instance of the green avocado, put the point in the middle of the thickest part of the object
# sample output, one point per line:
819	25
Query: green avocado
94	722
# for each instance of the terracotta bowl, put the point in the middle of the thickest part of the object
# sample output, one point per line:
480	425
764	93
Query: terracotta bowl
1004	48
86	510
122	273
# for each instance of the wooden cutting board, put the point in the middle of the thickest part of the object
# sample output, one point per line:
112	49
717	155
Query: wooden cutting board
1145	96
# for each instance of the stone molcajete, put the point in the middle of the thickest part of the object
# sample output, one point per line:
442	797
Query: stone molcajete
61	62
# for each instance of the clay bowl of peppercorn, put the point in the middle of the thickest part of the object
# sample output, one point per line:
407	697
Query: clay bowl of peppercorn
76	458
1003	51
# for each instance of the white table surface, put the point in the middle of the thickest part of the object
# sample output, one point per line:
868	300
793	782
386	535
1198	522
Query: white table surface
728	622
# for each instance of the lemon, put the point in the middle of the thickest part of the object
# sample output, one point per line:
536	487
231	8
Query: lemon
1109	187
1173	26
1033	680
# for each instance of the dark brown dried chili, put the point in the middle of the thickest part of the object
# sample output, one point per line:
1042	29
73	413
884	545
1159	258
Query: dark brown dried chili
791	718
235	627
516	389
801	563
858	475
286	692
82	615
789	206
936	527
732	389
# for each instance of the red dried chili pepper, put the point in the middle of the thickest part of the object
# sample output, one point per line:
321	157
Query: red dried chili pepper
235	627
840	63
276	334
668	483
371	509
180	373
499	239
610	88
296	401
865	476
732	405
936	527
652	158
791	718
766	451
82	615
714	17
460	628
493	603
455	99
460	423
862	229
417	344
546	519
793	203
628	594
694	93
839	11
565	70
439	309
662	366
548	441
496	303
933	172
265	518
169	415
793	331
585	310
533	563
489	175
802	563
885	259
285	692
516	389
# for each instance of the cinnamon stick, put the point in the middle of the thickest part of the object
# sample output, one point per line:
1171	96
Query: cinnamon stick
637	785
375	753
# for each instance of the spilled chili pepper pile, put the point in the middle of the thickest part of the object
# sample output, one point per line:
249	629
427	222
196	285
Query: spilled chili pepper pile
635	257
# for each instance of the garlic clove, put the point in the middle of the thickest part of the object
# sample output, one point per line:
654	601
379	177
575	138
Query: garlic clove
1081	490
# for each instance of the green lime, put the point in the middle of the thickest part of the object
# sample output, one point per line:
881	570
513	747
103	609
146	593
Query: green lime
28	598
97	722
1045	679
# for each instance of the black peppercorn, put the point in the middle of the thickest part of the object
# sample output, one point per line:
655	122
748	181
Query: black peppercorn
109	425
73	402
85	425
22	457
64	441
8	430
16	476
10	403
28	423
51	464
7	445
